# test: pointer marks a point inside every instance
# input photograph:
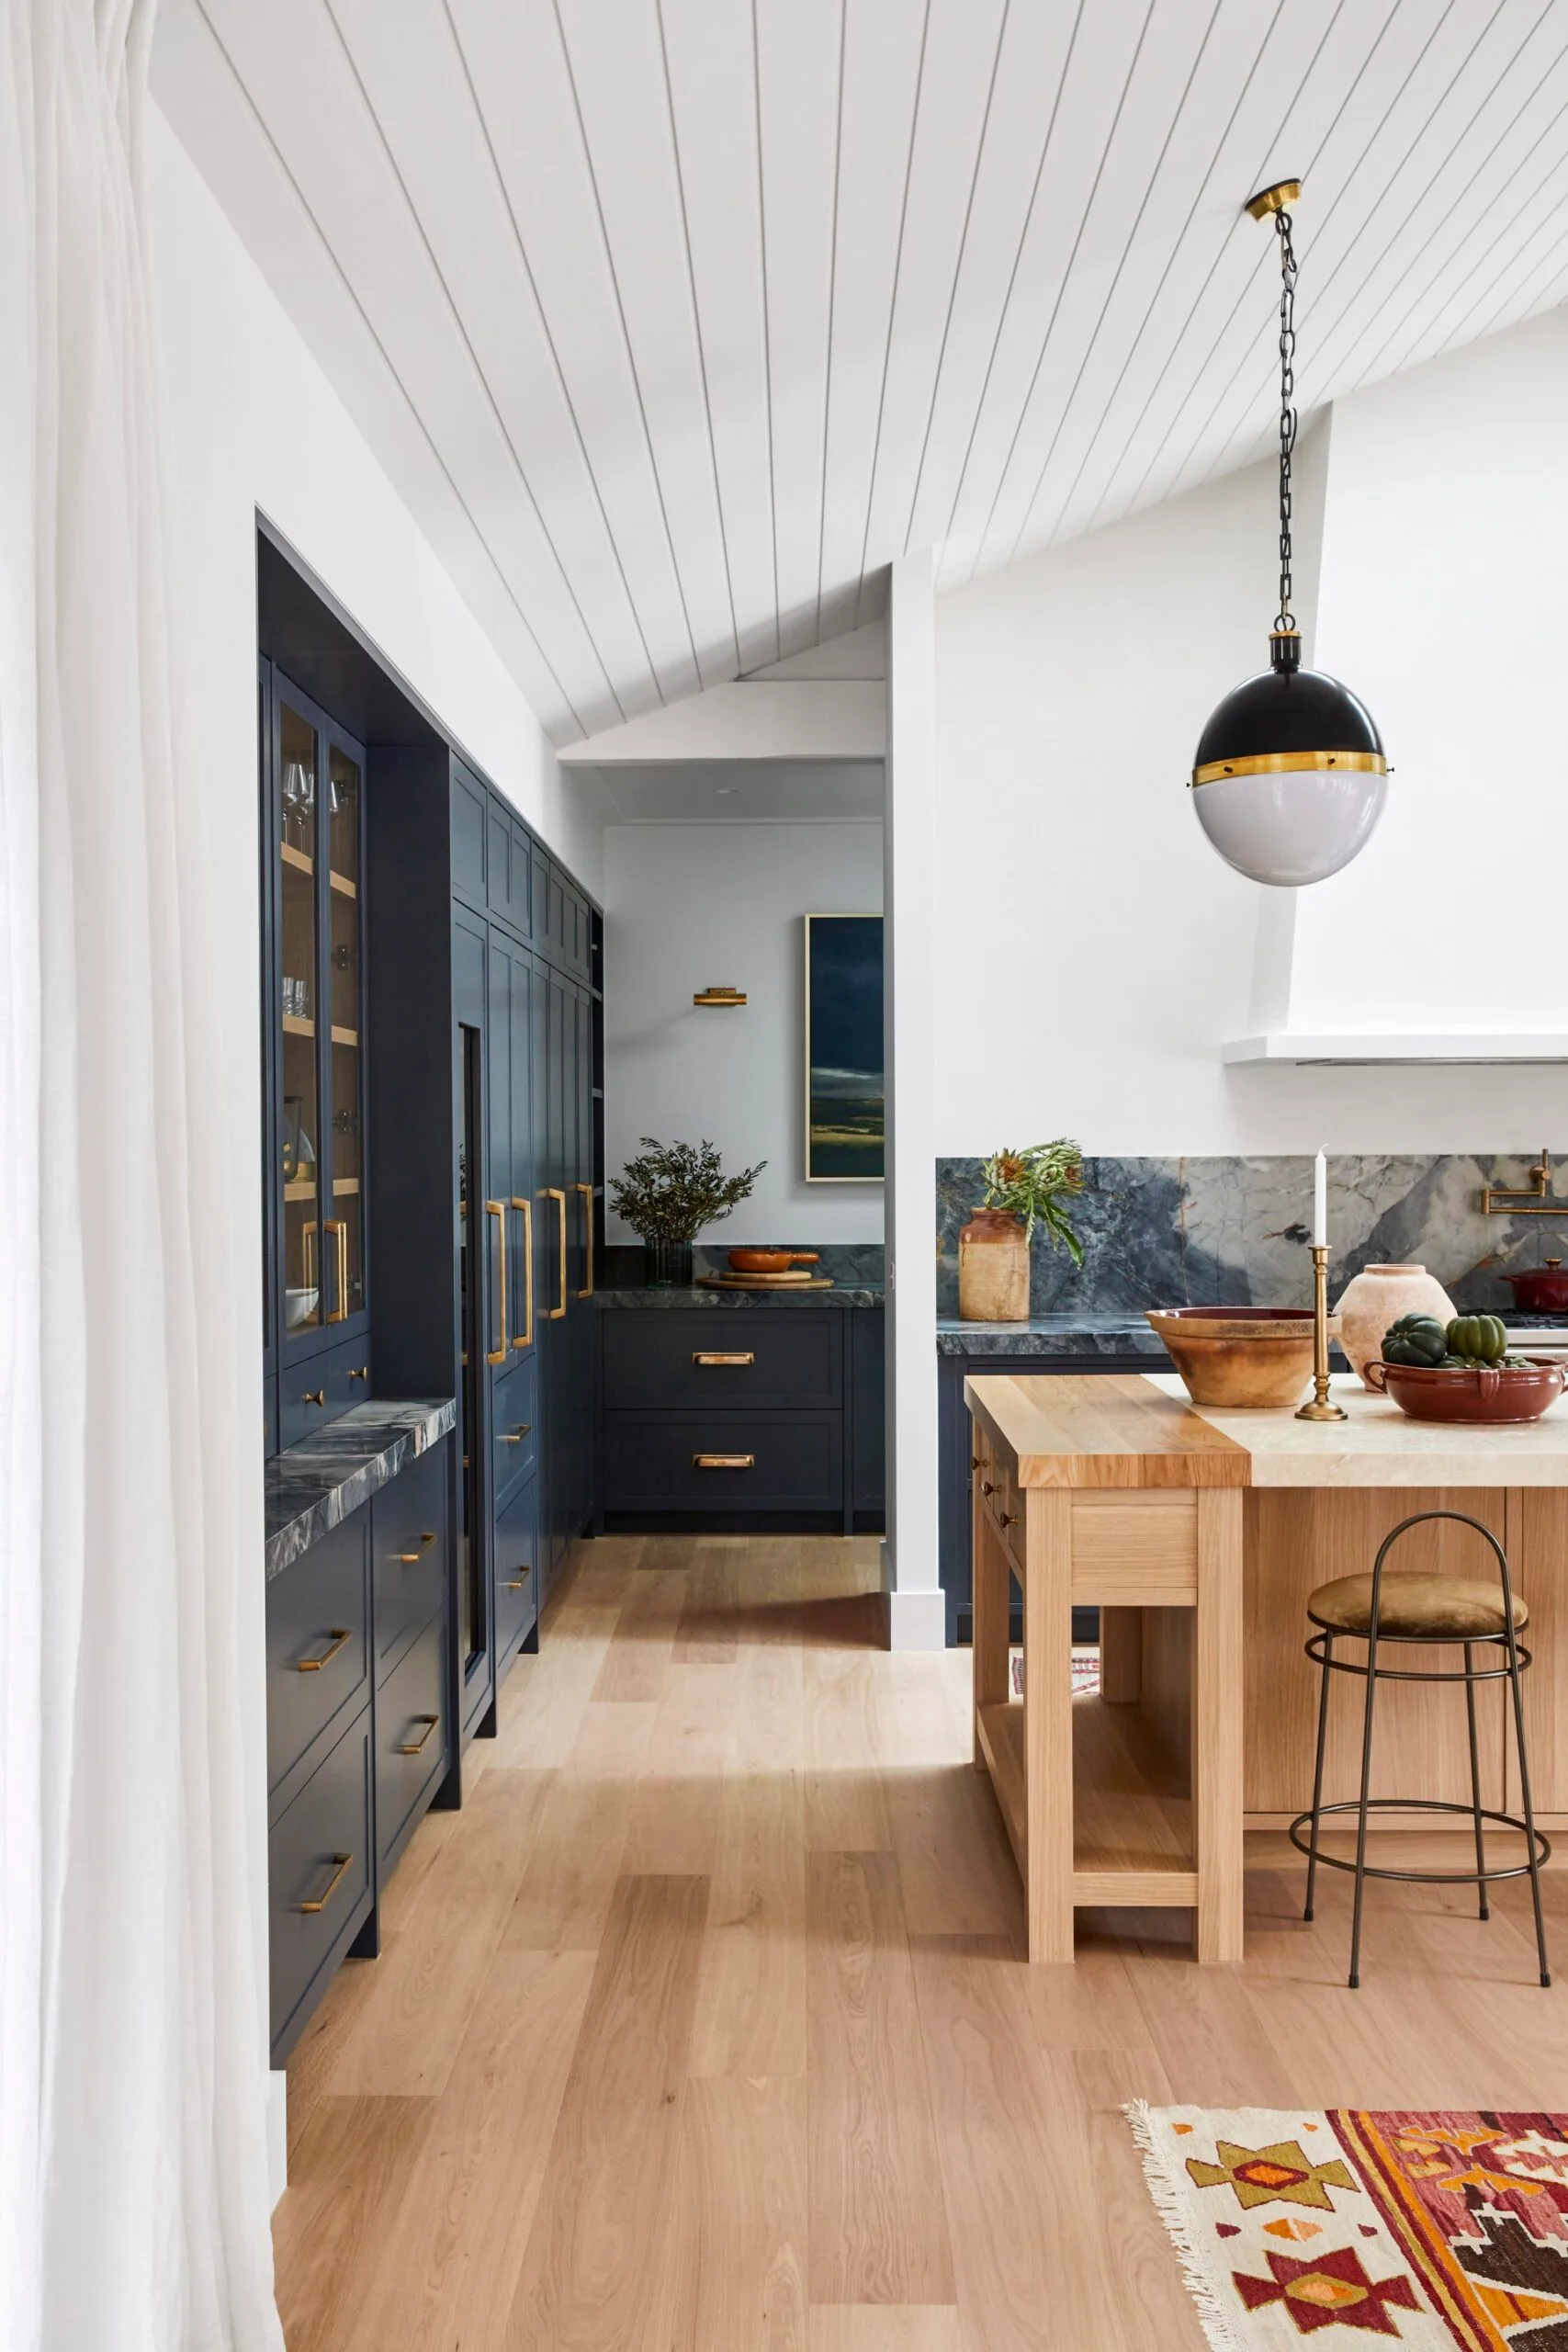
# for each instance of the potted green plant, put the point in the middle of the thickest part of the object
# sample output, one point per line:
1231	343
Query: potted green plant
668	1193
1024	1189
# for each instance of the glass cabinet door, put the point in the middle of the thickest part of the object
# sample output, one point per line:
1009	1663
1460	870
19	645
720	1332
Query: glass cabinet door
301	1122
344	1228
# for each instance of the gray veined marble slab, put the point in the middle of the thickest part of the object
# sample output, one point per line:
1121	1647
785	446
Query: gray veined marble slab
651	1297
1051	1335
311	1487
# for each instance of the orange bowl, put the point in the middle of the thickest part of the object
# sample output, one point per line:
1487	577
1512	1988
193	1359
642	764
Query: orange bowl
1251	1359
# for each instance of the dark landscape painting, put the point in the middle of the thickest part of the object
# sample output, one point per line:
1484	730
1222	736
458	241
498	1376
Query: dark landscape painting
844	1128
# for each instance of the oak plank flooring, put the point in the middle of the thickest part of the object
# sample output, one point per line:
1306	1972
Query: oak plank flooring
703	2025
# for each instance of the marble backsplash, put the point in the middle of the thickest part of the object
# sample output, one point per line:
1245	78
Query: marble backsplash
1232	1231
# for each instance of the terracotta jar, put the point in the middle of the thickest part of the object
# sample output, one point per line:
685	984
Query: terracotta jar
993	1269
1378	1296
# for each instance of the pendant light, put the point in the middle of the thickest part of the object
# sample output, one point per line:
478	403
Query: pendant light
1290	777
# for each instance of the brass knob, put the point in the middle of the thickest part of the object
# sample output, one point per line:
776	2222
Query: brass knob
1007	1519
975	1460
986	1487
314	1397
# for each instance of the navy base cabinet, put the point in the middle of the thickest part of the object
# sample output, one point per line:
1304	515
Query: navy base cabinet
729	1420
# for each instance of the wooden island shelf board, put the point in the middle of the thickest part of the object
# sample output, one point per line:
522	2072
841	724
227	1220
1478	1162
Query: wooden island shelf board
1199	1534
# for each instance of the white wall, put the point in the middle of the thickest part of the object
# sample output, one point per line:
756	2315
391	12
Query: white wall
690	906
1093	953
1441	603
256	425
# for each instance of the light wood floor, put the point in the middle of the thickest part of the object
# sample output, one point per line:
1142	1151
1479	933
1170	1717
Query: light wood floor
702	2028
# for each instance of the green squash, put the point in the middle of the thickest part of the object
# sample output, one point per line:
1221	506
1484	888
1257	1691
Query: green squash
1415	1339
1480	1338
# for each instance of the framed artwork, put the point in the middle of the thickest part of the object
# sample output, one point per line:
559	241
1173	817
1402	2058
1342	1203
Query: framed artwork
844	1121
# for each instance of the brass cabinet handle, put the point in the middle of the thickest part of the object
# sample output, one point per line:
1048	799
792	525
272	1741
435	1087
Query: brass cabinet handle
986	1487
724	1460
314	1397
340	1634
525	1210
516	1437
587	1192
338	1227
497	1209
1007	1519
976	1461
417	1747
553	1193
516	1583
321	1900
723	1355
362	1374
408	1558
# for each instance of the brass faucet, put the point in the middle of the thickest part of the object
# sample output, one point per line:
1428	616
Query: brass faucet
1539	1201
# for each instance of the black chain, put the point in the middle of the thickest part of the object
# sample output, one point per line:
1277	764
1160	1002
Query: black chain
1286	619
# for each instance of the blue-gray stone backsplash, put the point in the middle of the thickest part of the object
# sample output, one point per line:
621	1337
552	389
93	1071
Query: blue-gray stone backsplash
1232	1232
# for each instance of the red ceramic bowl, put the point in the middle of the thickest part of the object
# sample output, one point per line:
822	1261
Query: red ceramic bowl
1441	1392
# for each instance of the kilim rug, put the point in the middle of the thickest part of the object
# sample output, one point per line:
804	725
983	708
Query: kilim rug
1085	1671
1441	2230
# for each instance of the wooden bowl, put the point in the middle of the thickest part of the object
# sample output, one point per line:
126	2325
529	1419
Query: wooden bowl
770	1262
1252	1358
1476	1393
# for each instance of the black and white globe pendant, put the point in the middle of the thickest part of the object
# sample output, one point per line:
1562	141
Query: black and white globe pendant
1289	778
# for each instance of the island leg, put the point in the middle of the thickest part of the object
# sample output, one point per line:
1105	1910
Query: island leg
1048	1720
991	1606
1217	1724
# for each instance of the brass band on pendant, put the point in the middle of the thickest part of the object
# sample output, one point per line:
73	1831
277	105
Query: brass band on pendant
1294	763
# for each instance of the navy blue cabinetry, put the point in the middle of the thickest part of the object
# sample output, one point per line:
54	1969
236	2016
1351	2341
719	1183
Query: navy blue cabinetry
741	1416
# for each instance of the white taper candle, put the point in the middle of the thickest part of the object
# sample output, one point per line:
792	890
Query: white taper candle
1320	1202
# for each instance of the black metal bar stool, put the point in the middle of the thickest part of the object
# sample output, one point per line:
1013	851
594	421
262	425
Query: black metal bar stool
1432	1609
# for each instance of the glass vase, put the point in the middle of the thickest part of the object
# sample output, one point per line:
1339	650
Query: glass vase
668	1264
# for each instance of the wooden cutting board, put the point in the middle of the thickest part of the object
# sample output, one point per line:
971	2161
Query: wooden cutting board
765	1282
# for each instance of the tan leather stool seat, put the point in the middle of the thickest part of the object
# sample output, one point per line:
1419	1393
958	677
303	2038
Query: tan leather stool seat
1438	1609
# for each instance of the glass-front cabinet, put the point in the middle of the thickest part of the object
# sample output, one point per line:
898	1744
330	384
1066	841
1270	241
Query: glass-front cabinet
313	790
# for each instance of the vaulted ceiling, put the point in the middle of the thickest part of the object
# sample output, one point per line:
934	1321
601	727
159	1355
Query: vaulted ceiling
676	320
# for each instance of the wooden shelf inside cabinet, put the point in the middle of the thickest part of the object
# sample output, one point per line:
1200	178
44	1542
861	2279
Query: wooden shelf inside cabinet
345	1036
296	1026
342	886
1132	1819
302	860
303	1189
343	1184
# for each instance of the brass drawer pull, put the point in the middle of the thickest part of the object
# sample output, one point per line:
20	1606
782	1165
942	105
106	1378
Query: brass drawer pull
321	1900
1007	1519
986	1487
723	1355
525	1337
417	1747
976	1461
587	1192
516	1436
553	1193
314	1397
362	1374
516	1583
409	1559
724	1460
340	1634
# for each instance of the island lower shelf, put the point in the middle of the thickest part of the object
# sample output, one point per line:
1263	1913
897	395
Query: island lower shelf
1133	1845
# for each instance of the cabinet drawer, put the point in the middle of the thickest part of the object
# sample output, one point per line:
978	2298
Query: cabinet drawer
317	1609
318	1388
682	1461
730	1361
516	1569
412	1736
516	1426
318	1854
408	1532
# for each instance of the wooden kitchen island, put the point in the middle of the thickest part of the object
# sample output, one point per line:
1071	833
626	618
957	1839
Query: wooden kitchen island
1199	1534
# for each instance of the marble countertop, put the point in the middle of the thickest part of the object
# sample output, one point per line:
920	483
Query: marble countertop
1051	1335
312	1487
842	1295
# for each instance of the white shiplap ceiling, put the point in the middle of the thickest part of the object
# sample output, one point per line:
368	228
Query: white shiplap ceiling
676	320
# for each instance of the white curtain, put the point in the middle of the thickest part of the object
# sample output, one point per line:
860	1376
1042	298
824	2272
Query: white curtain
133	2202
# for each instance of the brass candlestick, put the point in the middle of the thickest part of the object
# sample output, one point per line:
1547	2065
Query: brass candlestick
1320	1407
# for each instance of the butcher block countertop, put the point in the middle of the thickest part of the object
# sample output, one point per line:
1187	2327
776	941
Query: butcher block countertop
1137	1430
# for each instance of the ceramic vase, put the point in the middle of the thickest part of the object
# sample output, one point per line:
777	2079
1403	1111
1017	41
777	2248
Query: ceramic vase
1378	1296
668	1264
993	1269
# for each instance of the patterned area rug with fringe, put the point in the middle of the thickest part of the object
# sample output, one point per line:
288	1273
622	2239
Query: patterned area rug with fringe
1441	2230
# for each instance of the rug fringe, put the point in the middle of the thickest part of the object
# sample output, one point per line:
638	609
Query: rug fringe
1212	2313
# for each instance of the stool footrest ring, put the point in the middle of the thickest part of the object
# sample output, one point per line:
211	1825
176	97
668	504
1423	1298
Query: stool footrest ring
1418	1805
